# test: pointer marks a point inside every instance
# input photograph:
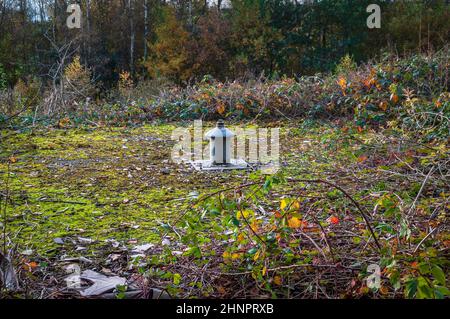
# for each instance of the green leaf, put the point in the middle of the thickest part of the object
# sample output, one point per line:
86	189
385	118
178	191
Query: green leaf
438	274
176	279
411	288
441	292
424	290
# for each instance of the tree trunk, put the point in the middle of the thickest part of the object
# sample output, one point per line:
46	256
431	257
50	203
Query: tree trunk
132	35
145	29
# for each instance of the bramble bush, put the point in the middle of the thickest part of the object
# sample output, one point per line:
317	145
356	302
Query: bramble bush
278	237
411	93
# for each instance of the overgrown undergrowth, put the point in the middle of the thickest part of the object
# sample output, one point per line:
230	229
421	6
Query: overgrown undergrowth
364	181
91	196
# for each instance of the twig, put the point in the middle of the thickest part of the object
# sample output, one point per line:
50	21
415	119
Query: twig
364	216
425	238
420	191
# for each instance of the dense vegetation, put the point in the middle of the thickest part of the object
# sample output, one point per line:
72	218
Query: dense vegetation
87	181
150	43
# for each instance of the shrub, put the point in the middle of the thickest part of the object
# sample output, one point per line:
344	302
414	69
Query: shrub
78	85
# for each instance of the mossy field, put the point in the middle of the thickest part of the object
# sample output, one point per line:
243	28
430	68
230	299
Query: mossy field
97	193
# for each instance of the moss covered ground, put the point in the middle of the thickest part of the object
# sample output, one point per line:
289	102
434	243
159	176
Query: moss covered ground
86	191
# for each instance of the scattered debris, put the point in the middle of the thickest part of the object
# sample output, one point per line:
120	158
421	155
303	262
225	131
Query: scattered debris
101	282
142	248
8	277
59	241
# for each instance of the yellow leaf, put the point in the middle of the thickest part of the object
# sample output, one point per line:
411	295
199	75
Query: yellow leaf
283	204
294	222
296	205
235	256
240	237
277	280
12	159
264	271
342	82
256	257
246	213
226	255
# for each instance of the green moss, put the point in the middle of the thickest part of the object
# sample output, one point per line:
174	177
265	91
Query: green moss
120	184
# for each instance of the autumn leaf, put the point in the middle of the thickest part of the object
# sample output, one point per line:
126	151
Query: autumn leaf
13	159
220	108
277	280
384	290
362	159
383	105
241	237
63	122
226	255
30	266
296	205
254	226
394	98
278	214
244	214
334	220
257	255
342	82
264	271
221	290
294	222
283	204
278	236
360	129
235	256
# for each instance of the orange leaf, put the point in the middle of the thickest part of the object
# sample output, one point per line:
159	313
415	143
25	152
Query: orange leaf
30	266
384	290
254	226
12	159
220	108
294	222
342	83
334	220
33	264
394	98
278	236
362	159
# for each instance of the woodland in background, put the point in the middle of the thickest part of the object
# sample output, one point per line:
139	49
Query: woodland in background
47	68
86	118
